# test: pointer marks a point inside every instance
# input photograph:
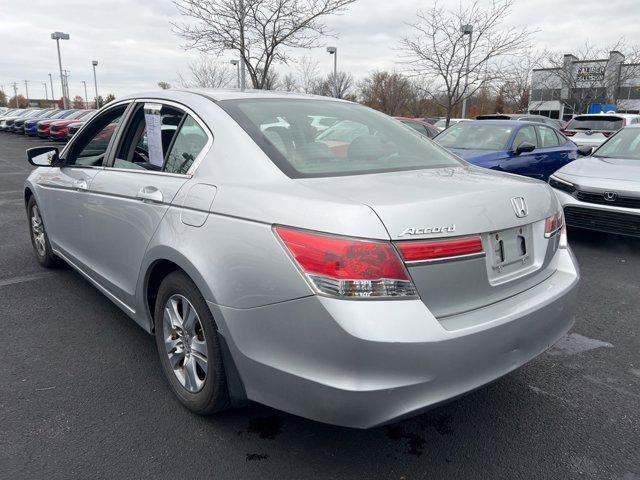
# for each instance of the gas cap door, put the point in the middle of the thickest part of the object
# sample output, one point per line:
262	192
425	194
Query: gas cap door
197	203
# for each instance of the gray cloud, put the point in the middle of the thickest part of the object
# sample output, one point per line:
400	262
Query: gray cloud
133	42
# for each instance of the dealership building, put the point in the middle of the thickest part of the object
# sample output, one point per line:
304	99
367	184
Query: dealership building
578	86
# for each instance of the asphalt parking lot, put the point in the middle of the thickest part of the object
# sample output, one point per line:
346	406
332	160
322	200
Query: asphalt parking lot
82	394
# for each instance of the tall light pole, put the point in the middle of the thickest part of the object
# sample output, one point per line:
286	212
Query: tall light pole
243	83
26	89
53	95
46	91
15	93
95	82
466	30
334	51
86	99
236	64
57	36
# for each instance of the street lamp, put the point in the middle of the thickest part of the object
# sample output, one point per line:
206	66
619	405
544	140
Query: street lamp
57	36
334	51
86	100
53	95
466	30
236	64
46	91
95	82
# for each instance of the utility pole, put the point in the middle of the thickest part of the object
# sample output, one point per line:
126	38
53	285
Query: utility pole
53	95
65	85
15	93
46	92
242	17
86	99
26	89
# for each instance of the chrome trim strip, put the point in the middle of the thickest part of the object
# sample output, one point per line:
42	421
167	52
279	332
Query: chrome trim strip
106	292
456	258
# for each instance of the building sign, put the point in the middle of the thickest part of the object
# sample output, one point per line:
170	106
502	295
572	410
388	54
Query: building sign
591	74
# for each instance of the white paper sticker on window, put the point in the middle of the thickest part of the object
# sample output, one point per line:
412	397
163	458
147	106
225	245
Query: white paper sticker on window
153	122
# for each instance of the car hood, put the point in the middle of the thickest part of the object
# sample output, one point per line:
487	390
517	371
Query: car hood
477	156
603	168
472	199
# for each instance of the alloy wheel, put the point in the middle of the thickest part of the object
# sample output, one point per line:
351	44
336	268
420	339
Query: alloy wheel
185	343
37	230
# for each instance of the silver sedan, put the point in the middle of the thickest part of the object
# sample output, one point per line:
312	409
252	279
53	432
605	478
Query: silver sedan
353	275
602	192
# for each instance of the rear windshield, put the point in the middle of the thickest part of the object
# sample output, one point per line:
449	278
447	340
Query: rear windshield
605	123
476	136
360	140
624	144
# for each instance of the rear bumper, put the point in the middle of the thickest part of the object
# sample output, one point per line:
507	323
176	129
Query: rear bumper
366	363
600	217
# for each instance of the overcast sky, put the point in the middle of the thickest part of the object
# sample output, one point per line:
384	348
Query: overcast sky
133	41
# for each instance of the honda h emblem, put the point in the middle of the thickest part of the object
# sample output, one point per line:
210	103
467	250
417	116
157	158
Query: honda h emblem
519	206
610	196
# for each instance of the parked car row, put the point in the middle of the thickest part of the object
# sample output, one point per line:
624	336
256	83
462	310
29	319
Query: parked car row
58	125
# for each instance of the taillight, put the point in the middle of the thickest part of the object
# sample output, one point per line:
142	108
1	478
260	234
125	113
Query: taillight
568	133
429	250
553	224
348	267
607	134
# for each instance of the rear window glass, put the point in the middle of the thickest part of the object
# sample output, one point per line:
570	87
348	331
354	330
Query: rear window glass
476	136
359	141
593	122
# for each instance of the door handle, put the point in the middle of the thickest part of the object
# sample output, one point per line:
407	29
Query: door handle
150	194
80	184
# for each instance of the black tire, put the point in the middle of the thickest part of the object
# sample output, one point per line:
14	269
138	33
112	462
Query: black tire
214	395
45	256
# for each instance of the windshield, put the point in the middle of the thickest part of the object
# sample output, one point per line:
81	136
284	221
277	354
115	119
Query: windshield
476	136
361	141
624	144
596	122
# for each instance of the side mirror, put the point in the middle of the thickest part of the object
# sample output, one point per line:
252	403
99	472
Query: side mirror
524	147
43	156
584	150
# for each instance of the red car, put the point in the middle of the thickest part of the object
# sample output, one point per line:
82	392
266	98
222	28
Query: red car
59	129
421	126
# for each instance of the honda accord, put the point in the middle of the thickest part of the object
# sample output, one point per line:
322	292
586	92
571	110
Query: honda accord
352	284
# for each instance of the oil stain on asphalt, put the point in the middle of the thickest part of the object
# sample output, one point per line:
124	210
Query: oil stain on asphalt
416	442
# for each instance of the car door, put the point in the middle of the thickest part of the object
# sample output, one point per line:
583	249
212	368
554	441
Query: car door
64	190
555	151
525	163
155	154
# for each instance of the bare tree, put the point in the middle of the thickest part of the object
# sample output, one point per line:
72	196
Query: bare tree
260	32
513	80
388	92
591	74
438	51
208	73
289	83
164	85
340	84
308	75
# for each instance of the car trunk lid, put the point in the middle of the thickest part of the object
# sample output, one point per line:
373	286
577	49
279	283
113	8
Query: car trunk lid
460	202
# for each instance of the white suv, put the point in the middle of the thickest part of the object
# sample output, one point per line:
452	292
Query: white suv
592	130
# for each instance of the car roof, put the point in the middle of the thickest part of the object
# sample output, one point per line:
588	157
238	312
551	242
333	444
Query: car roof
512	123
621	115
231	94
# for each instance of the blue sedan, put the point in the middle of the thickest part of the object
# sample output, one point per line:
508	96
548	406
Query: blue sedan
524	148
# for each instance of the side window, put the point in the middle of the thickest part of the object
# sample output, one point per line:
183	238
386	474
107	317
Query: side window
90	149
160	138
548	137
526	134
188	143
